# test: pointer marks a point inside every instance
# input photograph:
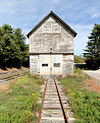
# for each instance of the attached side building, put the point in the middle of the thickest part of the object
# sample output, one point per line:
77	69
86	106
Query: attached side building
51	47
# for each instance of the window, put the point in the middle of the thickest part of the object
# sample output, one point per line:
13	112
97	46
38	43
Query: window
44	65
56	64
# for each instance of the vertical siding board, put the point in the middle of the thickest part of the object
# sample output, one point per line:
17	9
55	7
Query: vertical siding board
51	36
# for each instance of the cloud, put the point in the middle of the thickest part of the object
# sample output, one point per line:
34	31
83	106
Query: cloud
7	6
79	14
95	15
92	12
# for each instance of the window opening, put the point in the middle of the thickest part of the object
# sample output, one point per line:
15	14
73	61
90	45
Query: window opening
44	65
56	64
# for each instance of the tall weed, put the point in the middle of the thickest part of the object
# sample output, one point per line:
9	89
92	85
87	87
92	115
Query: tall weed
85	104
19	103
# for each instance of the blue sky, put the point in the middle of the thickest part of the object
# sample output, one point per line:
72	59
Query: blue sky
81	15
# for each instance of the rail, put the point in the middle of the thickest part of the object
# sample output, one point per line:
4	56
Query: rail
63	110
60	102
39	117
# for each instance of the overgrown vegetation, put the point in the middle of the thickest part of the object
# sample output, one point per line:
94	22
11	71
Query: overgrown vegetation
79	59
13	50
93	48
19	103
85	104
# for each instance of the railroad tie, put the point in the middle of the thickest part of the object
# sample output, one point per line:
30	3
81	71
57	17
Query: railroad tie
54	104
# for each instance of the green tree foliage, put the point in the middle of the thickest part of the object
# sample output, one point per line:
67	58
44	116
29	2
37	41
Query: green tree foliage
78	59
93	48
13	50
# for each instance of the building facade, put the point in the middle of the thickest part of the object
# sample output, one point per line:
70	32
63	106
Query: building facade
51	47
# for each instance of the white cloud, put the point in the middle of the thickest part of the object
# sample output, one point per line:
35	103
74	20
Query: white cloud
80	15
95	15
92	11
7	6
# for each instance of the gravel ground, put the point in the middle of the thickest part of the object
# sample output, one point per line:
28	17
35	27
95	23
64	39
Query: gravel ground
94	74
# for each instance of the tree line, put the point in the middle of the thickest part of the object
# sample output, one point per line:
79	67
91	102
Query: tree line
13	50
92	51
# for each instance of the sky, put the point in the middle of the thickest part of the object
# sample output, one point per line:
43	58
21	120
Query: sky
80	15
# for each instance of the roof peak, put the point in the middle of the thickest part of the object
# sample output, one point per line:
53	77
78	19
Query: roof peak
58	18
51	11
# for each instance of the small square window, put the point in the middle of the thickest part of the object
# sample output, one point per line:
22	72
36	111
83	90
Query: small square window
44	65
56	64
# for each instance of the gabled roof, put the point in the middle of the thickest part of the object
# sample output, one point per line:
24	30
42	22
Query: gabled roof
56	17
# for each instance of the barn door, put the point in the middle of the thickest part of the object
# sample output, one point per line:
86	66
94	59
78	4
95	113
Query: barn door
56	64
51	64
45	64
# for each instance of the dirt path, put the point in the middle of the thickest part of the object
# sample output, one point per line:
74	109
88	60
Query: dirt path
94	74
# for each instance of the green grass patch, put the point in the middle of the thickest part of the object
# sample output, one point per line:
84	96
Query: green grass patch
19	103
85	104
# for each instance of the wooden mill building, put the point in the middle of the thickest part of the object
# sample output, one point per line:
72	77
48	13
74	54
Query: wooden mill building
51	47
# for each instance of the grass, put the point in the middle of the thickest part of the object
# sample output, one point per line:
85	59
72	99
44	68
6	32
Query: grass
19	103
85	104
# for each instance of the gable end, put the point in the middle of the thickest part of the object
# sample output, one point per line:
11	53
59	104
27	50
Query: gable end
57	18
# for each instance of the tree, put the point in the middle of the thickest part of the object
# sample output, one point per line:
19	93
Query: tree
13	50
20	38
92	54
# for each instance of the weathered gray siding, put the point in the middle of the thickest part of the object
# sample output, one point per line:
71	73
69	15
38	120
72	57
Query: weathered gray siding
51	43
67	64
51	34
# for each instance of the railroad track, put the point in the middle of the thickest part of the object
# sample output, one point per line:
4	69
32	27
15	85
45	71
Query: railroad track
54	105
2	73
7	76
